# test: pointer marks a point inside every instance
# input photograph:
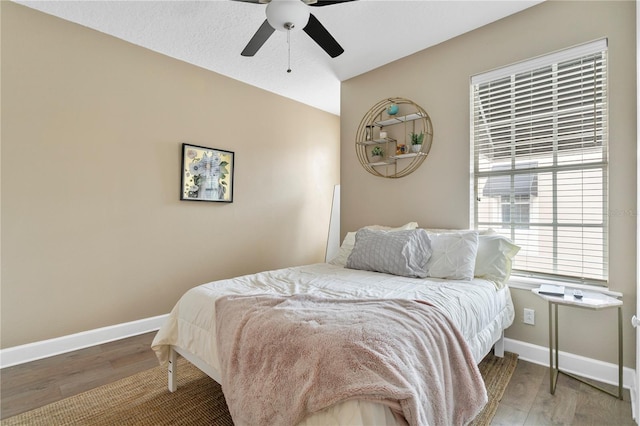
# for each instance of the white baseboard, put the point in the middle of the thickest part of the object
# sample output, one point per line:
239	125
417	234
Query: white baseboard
589	368
46	348
634	398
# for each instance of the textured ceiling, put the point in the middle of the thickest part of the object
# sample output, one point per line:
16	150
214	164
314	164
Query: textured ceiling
211	34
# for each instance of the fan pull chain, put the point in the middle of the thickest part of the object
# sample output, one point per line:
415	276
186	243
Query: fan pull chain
289	48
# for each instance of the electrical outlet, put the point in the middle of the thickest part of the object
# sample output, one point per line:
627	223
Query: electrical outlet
529	316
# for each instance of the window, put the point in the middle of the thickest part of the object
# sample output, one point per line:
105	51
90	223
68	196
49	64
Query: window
516	213
539	149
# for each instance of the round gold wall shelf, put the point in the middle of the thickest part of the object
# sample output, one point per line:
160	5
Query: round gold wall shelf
391	133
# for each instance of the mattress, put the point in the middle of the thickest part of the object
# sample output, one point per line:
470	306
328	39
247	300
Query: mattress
479	310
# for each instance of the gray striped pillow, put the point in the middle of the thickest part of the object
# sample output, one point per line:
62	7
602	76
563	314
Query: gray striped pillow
403	253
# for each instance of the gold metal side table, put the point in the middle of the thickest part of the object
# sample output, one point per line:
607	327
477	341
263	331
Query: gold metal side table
590	300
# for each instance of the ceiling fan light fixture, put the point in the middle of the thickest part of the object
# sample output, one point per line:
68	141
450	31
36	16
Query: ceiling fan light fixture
287	15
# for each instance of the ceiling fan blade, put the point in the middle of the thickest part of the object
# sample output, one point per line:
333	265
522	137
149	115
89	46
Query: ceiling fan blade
325	2
249	1
258	39
320	35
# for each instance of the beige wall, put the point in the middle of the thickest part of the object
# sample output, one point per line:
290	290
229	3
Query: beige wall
93	232
437	194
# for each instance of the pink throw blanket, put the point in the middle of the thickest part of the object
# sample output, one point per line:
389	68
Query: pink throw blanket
283	358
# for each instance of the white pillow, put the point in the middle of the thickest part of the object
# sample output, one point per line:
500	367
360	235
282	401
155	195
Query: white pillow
340	259
488	231
407	226
403	253
494	258
453	255
349	240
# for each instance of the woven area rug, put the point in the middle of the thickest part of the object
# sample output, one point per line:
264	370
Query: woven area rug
143	399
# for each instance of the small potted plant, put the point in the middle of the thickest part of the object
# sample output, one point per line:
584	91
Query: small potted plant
376	154
416	141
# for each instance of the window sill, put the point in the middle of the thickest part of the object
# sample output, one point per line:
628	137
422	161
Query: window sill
526	283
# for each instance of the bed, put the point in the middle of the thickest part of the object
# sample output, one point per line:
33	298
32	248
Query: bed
466	283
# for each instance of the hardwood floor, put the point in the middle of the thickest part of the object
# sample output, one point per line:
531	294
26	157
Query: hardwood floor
28	386
526	401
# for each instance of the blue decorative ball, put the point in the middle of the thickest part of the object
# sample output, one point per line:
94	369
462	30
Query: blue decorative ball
392	109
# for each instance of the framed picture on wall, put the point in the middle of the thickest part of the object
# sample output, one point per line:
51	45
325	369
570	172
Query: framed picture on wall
207	174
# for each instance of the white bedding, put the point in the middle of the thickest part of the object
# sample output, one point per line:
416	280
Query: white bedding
479	311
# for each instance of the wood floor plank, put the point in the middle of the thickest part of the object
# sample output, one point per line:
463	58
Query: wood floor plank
524	386
556	409
32	385
14	404
507	415
61	365
138	353
86	379
597	408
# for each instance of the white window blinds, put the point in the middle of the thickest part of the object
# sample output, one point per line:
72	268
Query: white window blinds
539	144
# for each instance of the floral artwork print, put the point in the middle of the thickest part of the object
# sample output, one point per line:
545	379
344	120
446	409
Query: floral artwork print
206	174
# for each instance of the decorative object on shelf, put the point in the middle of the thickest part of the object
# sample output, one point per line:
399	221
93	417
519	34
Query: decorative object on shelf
376	154
395	137
368	133
207	174
416	141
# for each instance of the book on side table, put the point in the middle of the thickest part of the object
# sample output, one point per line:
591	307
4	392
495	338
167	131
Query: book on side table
551	290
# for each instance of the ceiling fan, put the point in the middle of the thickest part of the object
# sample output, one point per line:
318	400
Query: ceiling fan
292	15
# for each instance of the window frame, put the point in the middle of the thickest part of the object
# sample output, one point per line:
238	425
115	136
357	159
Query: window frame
512	72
